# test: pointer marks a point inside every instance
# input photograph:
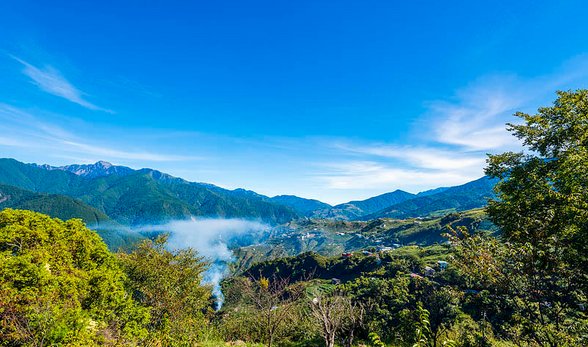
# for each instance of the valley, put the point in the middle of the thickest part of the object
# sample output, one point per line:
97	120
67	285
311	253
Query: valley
118	202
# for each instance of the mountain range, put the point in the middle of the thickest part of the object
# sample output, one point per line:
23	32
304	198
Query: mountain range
356	209
102	191
134	197
459	198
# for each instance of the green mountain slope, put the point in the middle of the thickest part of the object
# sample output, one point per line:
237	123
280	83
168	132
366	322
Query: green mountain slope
143	196
300	205
356	209
59	206
333	237
36	179
471	195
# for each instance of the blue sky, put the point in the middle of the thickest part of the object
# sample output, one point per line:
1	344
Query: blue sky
334	100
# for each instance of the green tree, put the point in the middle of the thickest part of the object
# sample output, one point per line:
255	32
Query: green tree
422	327
386	299
59	285
168	283
541	268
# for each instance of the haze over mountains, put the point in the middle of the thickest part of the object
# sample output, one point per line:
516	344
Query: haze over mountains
355	209
101	191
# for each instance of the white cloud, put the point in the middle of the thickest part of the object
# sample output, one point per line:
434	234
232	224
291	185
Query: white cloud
385	167
475	118
420	157
455	135
17	124
374	175
476	121
52	81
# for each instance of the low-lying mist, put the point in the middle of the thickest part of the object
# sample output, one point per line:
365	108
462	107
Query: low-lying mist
212	238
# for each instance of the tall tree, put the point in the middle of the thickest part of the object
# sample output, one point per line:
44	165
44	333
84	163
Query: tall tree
541	269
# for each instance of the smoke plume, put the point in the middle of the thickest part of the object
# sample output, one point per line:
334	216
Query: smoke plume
212	239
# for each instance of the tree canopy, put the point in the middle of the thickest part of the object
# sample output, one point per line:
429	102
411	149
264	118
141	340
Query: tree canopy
539	271
59	284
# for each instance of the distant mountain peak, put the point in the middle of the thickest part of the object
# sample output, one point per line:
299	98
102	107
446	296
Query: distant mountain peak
301	205
103	164
474	194
98	169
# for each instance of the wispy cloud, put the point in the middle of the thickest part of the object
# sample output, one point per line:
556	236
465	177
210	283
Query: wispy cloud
455	135
53	82
387	167
376	175
475	118
17	124
420	157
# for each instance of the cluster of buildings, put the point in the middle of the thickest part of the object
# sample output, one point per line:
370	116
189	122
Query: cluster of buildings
441	265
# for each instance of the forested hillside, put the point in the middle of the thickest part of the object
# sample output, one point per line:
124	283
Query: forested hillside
333	237
471	195
59	206
142	196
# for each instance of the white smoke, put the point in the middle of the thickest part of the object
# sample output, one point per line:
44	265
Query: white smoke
211	238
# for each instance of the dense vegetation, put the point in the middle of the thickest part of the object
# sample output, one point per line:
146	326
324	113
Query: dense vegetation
59	284
59	206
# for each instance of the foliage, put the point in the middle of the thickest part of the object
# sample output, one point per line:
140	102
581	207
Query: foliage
540	270
423	327
59	206
375	340
269	310
168	284
59	285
